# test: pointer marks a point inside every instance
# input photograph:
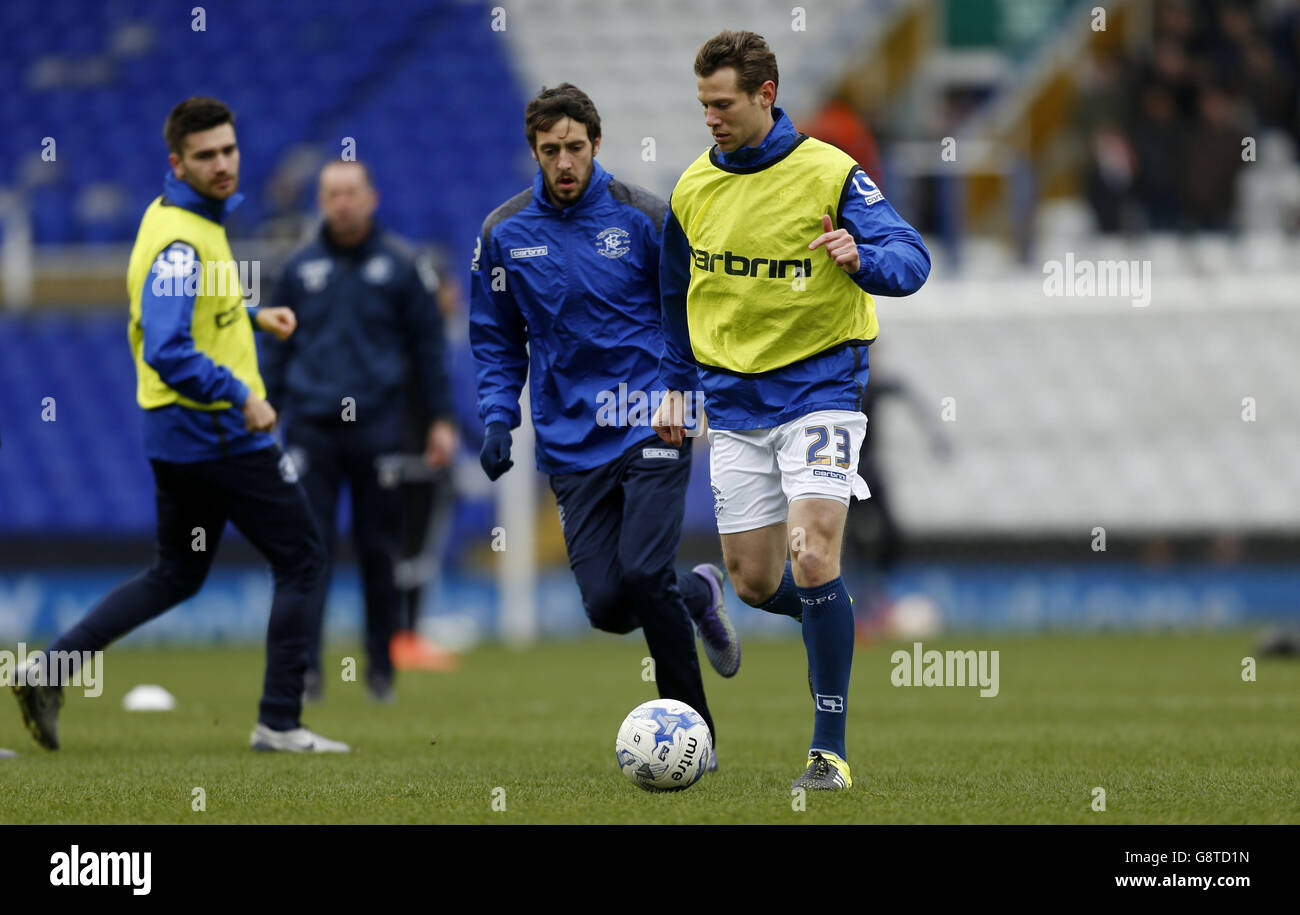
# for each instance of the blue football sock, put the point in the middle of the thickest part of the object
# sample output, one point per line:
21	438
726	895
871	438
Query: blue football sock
828	634
695	592
786	599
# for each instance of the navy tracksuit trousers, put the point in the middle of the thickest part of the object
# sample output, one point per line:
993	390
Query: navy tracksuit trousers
329	452
260	496
622	524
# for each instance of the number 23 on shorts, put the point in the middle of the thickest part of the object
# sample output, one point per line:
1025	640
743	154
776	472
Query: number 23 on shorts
821	437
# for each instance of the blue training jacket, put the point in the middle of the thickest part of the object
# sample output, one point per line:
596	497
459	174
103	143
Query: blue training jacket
368	321
570	298
177	433
895	262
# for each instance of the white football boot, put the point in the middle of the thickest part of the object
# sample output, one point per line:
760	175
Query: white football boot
298	740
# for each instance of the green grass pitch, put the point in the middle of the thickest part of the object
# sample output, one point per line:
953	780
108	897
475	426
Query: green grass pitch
1164	723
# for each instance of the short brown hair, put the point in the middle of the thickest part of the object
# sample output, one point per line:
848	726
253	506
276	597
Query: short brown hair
747	52
193	115
563	101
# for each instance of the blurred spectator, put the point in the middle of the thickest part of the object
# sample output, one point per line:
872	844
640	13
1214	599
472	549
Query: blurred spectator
1111	169
1174	20
1271	94
1210	162
1159	142
1109	180
1163	130
1169	68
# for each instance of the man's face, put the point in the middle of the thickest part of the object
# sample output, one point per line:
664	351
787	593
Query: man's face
735	118
346	199
567	158
209	161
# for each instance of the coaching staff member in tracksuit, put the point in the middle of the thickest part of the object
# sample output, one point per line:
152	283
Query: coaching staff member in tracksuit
367	320
565	285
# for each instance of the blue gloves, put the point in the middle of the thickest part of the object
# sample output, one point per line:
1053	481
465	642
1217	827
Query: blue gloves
495	456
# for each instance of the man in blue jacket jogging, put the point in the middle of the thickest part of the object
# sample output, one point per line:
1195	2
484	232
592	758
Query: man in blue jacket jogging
565	284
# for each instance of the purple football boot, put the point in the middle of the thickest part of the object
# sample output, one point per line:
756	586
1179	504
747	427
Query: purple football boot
721	644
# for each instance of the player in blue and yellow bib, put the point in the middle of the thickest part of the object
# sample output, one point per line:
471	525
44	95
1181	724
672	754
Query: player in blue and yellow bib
207	435
773	247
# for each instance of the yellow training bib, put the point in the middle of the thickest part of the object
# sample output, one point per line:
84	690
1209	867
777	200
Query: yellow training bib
219	324
758	299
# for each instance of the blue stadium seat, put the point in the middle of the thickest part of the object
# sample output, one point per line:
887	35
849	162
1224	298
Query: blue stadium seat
413	85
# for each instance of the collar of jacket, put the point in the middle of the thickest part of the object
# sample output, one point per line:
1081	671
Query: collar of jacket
181	194
360	249
595	187
776	143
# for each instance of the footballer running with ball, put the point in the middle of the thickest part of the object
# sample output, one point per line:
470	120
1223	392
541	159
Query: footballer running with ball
774	245
565	290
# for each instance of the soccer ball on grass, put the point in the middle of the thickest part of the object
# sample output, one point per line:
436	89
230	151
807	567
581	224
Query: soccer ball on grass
664	745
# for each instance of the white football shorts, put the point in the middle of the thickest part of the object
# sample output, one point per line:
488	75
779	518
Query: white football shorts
757	473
